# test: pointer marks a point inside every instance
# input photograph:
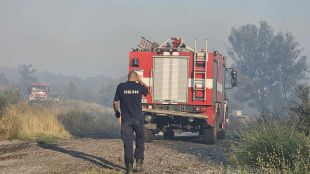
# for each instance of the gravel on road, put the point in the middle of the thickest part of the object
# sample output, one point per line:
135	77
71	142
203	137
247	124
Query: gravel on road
180	156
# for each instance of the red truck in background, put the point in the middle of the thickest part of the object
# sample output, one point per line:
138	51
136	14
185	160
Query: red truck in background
187	88
38	92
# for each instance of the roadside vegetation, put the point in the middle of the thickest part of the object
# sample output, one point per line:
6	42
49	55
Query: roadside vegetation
272	147
279	145
48	123
21	121
8	97
89	120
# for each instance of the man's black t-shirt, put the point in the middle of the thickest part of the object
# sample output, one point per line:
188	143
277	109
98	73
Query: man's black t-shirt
129	94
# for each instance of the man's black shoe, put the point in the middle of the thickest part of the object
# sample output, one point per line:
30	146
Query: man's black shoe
139	165
129	168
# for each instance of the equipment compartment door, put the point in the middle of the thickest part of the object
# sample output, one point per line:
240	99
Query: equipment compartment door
170	79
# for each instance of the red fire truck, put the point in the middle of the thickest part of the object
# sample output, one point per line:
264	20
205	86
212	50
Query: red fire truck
38	92
187	88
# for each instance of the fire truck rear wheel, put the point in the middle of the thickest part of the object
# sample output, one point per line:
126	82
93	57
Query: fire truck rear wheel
209	135
221	134
148	135
169	134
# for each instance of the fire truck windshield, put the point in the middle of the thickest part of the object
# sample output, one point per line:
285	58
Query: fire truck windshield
39	89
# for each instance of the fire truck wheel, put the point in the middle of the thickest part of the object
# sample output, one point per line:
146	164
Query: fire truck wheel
221	134
209	135
169	134
148	136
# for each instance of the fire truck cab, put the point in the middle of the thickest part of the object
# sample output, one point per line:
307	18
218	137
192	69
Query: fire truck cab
187	89
38	92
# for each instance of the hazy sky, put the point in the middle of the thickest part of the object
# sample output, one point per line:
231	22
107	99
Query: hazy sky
92	37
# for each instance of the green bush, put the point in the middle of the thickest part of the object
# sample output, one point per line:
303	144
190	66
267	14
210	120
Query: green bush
300	108
273	146
90	124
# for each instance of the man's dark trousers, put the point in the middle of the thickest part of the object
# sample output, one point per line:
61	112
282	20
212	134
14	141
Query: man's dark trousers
127	133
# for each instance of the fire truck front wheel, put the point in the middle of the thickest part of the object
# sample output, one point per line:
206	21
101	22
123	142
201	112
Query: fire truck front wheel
221	134
209	135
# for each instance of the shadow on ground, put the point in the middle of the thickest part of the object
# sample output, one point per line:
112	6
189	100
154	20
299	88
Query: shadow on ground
87	157
98	136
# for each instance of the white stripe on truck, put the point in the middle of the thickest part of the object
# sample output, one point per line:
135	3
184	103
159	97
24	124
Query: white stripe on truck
208	83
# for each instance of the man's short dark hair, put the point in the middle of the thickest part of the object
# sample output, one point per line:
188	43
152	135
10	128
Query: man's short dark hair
132	74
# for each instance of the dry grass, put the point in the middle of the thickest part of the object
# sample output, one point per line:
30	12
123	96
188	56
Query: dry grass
22	121
89	120
48	123
85	106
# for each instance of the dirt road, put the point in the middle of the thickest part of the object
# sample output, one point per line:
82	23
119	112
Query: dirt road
183	155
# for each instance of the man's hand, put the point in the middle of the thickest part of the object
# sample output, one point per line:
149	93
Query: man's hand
117	114
139	80
142	83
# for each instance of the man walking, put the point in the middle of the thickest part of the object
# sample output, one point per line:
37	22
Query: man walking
129	94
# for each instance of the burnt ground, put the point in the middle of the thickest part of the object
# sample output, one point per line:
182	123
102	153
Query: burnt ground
185	154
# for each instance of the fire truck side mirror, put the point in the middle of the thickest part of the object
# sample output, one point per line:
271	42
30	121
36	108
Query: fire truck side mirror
234	76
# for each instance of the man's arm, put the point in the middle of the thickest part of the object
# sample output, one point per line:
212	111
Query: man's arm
115	103
115	107
142	83
145	86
